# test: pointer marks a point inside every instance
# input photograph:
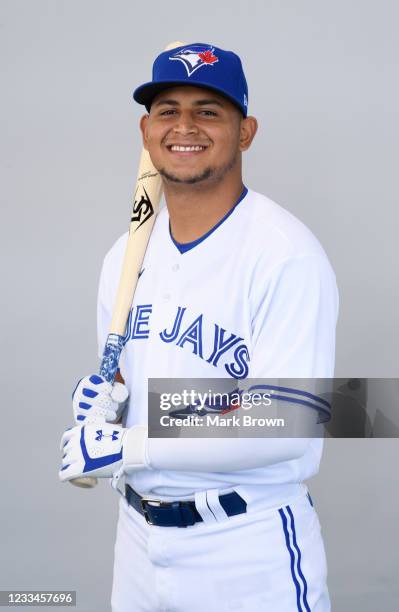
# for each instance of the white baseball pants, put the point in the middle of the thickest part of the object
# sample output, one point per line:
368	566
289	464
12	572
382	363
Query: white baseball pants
269	560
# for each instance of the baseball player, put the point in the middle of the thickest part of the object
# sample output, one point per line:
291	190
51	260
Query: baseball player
232	287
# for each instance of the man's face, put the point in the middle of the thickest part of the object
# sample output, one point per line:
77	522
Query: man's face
193	135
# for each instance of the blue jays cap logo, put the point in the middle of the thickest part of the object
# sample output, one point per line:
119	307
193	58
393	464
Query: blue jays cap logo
195	57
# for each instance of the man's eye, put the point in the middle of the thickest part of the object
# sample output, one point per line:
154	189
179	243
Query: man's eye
208	113
170	111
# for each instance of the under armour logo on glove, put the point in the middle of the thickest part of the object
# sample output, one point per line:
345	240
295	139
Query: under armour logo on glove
100	435
92	451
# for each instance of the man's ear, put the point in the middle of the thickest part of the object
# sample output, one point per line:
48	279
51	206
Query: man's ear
248	129
143	128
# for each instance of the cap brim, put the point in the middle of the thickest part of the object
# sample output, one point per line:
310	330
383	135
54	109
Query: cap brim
147	92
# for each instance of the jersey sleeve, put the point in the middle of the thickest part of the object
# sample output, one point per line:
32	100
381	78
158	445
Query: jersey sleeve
293	326
293	336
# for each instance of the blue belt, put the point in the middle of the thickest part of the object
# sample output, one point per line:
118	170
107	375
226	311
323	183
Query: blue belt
179	513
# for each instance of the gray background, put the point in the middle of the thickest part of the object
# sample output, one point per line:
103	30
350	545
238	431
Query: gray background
323	84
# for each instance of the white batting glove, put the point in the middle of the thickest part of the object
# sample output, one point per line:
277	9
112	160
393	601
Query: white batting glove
102	450
94	450
94	399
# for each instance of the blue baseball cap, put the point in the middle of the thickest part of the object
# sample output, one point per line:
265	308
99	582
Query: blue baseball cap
199	65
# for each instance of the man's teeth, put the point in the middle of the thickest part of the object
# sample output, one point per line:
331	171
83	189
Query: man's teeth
180	148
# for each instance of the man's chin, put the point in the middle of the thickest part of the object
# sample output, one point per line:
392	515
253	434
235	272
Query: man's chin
184	178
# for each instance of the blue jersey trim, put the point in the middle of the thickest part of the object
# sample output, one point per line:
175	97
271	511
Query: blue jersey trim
324	413
187	246
298	578
300	572
311	396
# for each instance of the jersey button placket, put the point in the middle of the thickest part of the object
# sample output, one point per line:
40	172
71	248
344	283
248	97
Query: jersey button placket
175	279
172	281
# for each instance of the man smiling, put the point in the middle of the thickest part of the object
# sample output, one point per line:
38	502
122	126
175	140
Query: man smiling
234	287
195	138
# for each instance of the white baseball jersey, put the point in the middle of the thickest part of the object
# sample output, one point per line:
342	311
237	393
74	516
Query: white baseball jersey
255	297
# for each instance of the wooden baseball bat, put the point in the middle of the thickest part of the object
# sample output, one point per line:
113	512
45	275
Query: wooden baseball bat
146	200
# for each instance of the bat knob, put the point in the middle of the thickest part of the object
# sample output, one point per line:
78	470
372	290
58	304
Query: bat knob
85	482
174	45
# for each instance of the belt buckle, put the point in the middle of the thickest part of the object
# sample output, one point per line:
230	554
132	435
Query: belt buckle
154	502
178	505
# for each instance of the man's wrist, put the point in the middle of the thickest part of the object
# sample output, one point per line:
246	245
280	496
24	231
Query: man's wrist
134	451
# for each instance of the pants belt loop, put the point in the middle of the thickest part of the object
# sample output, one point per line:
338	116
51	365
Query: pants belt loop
212	497
202	507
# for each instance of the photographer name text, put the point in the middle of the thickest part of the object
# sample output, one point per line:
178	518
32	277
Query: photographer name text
215	420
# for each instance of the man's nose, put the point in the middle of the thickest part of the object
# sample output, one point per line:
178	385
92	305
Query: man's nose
185	125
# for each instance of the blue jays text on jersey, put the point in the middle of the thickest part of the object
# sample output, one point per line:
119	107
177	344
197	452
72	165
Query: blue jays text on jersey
187	333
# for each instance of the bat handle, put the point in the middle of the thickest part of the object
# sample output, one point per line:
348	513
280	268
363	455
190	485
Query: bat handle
108	369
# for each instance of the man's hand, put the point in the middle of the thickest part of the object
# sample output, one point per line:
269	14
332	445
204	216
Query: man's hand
100	449
94	399
92	450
